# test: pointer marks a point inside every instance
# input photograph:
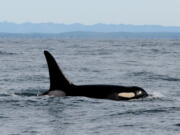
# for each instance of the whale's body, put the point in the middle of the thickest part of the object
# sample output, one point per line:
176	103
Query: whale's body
60	86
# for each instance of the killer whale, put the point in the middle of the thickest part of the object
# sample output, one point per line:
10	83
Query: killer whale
60	86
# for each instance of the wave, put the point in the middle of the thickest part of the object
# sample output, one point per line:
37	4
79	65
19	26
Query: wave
2	53
153	76
178	124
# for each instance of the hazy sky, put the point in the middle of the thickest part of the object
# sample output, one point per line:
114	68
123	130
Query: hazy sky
161	12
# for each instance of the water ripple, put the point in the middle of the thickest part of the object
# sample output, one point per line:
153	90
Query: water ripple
153	76
4	53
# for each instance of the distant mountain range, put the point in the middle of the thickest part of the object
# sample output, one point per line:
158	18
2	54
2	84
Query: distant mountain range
7	27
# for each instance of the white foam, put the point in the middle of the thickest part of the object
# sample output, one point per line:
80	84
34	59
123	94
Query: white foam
157	95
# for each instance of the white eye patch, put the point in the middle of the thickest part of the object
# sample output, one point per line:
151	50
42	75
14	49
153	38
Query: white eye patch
126	94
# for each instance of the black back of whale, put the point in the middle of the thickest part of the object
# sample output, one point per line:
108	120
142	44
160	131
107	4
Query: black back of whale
59	83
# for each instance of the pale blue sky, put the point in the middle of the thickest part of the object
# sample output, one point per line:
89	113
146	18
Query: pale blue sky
161	12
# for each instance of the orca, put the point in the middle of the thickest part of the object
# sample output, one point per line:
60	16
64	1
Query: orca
60	86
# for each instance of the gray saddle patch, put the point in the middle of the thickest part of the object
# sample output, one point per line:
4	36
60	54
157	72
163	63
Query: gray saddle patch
57	93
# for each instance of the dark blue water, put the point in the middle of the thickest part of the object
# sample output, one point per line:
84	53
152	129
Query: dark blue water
153	64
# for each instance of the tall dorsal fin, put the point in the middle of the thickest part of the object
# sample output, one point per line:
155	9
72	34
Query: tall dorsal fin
57	79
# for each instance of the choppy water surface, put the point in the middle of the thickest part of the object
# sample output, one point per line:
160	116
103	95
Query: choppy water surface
153	64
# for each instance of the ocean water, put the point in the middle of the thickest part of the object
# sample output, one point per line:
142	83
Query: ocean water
153	64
